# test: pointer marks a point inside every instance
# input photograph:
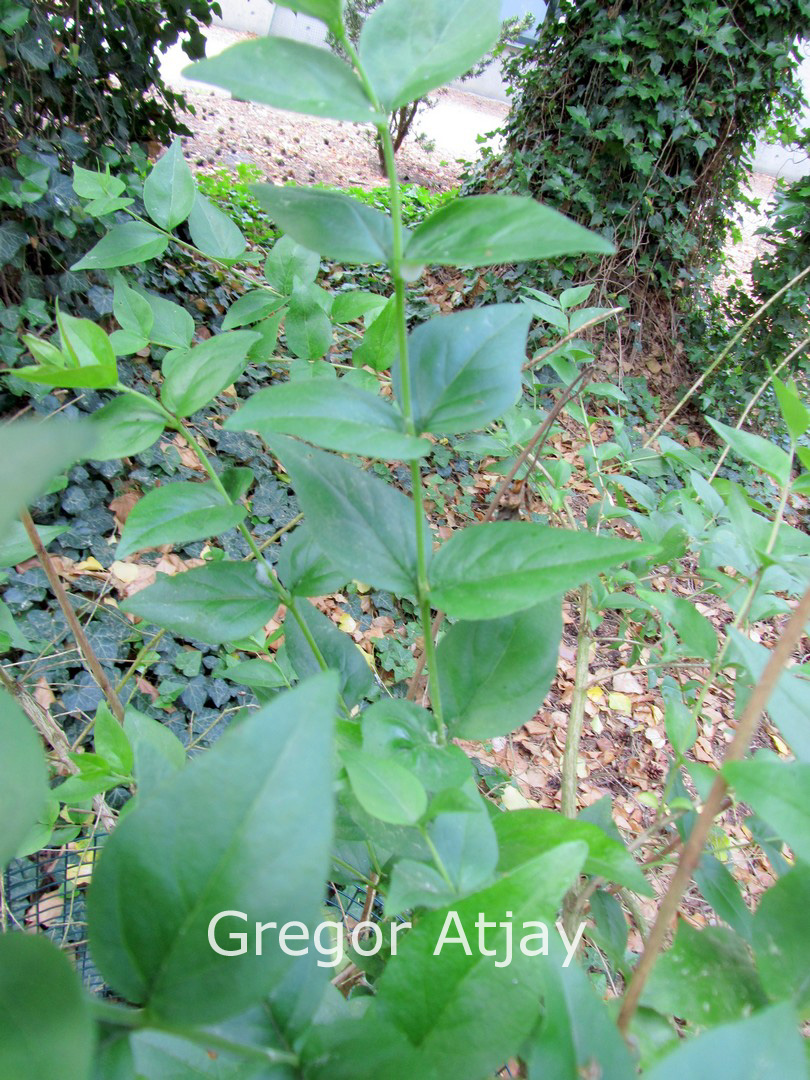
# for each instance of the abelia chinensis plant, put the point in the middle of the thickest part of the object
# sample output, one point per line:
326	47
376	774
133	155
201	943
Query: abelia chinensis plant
205	910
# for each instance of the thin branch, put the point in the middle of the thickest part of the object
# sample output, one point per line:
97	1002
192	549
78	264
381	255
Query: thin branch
88	654
746	728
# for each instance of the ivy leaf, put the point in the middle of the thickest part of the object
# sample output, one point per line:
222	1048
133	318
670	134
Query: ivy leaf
287	75
265	853
218	602
169	190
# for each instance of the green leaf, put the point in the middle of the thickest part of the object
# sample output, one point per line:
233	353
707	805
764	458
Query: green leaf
522	834
466	367
15	547
131	309
177	514
43	1012
718	886
307	327
570	298
779	791
337	648
218	602
328	11
95	185
213	232
409	47
335	416
304	569
124	427
287	75
486	229
250	308
794	412
263	350
110	741
124	245
172	325
706	977
169	189
363	524
265	852
379	348
125	344
31	454
443	1022
483	664
754	449
487	571
194	377
23	778
158	753
261	674
694	629
334	225
789	703
288	261
766	1046
350	306
384	788
89	358
780	939
577	1036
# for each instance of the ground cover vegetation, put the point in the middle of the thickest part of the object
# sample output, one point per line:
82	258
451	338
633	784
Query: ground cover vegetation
306	454
642	123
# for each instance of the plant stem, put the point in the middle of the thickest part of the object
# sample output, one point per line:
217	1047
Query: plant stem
746	728
284	596
576	716
755	398
85	648
716	363
134	1019
397	251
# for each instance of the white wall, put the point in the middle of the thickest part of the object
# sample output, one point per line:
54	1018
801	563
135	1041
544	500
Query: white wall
263	17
